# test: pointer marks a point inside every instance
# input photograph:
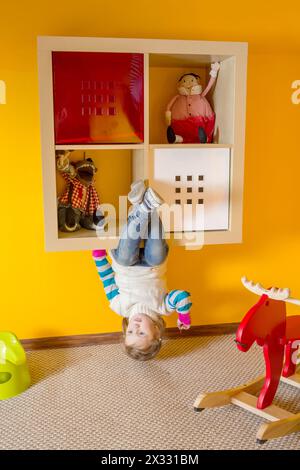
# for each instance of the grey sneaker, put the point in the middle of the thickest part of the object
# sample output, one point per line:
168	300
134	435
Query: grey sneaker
137	192
151	200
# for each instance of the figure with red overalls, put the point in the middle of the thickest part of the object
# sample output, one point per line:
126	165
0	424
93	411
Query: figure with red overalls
189	116
79	204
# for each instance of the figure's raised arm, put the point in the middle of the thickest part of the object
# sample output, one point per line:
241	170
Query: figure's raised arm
213	75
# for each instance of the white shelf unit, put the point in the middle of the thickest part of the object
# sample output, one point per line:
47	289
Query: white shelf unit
164	61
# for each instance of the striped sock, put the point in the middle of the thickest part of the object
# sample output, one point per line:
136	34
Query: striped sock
178	300
107	277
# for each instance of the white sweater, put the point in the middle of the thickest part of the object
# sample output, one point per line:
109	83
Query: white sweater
139	289
142	289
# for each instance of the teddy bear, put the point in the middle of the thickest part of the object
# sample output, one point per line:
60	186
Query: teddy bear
189	116
78	205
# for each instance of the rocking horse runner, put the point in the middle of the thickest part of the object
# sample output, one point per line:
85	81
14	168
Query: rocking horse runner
267	324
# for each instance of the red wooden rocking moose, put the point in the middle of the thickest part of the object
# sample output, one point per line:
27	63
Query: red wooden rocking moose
267	324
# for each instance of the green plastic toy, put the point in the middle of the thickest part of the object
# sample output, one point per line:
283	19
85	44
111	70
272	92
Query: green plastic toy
14	373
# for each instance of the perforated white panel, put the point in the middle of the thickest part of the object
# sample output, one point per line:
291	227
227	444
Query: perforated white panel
195	177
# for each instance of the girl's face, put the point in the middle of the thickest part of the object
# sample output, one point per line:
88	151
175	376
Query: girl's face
141	331
188	81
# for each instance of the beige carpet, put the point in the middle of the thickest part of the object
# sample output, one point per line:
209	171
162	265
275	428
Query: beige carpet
96	398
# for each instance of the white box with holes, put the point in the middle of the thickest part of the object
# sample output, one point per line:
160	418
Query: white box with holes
196	177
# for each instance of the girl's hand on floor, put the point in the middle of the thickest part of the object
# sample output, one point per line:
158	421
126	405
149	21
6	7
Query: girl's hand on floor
184	321
99	253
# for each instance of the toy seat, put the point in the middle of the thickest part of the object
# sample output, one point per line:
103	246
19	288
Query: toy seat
293	327
14	373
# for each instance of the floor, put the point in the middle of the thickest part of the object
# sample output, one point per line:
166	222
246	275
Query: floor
95	397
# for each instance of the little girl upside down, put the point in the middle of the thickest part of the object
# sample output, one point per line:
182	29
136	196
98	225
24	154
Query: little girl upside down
134	282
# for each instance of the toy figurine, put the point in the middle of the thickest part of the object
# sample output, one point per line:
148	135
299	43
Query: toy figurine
79	205
189	116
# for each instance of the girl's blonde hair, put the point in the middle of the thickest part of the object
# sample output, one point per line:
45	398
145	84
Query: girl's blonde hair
154	348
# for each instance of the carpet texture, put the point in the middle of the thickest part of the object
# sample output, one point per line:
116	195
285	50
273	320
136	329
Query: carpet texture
96	398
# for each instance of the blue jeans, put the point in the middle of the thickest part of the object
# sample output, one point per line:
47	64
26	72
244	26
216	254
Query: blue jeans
142	226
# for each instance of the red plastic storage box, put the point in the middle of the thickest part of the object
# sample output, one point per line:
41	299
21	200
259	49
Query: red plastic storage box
98	97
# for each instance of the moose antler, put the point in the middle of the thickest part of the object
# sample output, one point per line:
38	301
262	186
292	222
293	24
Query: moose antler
273	293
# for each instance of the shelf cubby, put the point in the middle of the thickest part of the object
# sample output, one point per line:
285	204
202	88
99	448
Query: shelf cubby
164	73
116	170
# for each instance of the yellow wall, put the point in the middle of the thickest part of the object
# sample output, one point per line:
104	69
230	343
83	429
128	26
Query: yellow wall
48	294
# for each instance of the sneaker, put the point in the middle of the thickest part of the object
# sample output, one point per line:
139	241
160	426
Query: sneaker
151	200
137	192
